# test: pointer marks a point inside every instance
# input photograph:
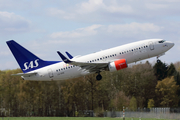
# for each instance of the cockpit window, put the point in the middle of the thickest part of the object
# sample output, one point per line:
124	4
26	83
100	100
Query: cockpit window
162	41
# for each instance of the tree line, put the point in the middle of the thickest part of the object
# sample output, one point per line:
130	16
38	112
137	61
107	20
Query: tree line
139	86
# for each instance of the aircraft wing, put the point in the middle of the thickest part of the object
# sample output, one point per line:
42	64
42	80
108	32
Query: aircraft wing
24	74
91	67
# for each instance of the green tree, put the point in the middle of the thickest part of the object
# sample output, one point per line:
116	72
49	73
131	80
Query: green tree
139	81
171	71
9	90
120	100
160	70
133	104
167	92
150	103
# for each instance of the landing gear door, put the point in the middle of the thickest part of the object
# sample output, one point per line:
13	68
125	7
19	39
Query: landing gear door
151	45
50	72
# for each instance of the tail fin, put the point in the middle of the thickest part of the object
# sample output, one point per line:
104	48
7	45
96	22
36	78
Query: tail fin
27	60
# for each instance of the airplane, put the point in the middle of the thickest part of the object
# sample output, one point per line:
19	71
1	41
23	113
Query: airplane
113	59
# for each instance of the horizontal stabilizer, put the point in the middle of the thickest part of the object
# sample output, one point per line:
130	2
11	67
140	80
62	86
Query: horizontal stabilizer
24	74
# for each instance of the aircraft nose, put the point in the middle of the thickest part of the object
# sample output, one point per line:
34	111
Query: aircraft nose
170	44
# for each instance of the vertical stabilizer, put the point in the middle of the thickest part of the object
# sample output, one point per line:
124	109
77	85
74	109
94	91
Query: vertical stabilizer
27	60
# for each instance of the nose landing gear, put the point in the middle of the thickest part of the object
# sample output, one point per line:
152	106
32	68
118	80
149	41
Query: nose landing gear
98	77
158	60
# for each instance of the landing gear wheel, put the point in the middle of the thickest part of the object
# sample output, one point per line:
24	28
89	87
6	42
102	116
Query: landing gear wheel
98	77
158	60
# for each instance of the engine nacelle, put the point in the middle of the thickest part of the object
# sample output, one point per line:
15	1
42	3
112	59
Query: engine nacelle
117	65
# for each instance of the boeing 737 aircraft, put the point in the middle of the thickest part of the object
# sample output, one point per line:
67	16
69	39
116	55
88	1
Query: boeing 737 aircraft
113	59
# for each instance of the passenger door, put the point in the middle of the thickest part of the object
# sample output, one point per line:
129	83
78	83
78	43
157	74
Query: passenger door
151	45
50	72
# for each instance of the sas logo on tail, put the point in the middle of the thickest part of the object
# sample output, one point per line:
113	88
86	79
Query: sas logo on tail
32	64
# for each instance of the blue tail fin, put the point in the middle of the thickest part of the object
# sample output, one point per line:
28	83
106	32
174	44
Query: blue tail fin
27	60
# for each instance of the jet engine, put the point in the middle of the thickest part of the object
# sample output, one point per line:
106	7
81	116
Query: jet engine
117	65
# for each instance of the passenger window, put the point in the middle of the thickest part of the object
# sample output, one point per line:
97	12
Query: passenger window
139	48
100	58
92	60
113	55
132	49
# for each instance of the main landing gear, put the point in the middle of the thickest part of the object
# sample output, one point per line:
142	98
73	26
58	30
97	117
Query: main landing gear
98	77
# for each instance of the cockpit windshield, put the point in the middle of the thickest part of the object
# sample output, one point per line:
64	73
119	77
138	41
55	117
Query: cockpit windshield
162	41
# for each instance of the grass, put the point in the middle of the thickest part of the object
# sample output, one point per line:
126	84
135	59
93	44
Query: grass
74	118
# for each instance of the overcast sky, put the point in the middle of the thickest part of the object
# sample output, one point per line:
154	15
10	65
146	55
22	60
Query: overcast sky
85	26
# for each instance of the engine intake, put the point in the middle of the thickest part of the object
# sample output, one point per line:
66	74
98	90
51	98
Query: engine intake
117	65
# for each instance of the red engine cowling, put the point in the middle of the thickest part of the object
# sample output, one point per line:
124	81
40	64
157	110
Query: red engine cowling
117	65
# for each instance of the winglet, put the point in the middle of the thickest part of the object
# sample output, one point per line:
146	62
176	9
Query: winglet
66	60
69	55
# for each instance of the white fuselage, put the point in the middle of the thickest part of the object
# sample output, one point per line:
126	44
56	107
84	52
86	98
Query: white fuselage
132	52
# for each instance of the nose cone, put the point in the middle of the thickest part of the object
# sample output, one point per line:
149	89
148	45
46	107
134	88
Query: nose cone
170	44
